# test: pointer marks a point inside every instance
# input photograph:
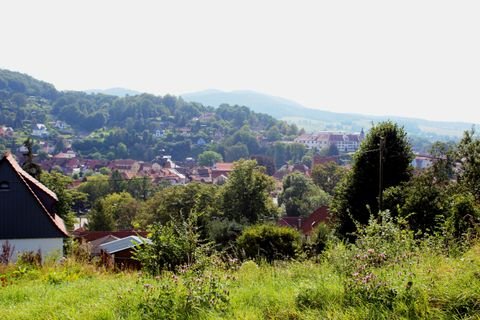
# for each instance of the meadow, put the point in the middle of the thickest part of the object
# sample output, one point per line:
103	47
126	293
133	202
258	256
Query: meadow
370	281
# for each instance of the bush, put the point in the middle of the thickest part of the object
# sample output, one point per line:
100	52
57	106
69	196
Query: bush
30	259
269	242
172	245
317	242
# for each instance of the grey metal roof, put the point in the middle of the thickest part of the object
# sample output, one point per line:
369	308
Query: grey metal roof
123	244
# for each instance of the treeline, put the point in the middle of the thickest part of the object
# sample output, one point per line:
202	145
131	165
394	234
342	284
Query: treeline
142	126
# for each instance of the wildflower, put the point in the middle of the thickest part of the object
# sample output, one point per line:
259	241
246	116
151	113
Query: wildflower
147	286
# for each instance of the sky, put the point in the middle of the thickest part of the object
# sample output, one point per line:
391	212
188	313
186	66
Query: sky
401	58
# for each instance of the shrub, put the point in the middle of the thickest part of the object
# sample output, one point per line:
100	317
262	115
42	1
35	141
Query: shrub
318	239
30	258
269	242
172	245
184	297
6	252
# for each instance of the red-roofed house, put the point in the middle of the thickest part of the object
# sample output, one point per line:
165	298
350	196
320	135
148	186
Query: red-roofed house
28	219
222	168
306	224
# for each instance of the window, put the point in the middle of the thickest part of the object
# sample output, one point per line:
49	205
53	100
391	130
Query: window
4	186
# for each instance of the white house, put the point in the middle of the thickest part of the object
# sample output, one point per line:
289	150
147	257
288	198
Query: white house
40	130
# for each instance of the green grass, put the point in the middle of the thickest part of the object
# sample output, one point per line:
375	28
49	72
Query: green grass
427	285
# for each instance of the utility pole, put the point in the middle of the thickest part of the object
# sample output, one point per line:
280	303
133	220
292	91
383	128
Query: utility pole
380	174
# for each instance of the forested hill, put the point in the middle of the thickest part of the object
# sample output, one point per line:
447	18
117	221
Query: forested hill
139	126
315	119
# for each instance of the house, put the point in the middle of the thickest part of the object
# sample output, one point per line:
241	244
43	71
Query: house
344	142
40	130
288	169
28	219
70	154
125	165
421	162
159	133
6	131
222	168
306	224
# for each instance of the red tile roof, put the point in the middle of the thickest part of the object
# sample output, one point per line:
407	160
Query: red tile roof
306	224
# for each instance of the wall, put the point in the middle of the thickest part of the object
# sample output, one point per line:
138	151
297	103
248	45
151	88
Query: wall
48	247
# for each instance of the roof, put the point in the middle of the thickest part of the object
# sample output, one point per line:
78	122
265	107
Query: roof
123	244
223	166
25	175
93	235
41	195
306	224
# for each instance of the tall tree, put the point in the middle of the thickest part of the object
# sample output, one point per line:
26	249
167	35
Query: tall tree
301	196
114	212
468	155
68	198
29	166
358	195
328	175
245	196
209	158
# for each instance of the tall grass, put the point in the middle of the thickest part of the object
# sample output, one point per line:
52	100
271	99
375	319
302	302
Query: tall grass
346	282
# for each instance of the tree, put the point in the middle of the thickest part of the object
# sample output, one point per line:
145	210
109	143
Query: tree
357	195
245	196
331	150
178	203
114	212
301	196
67	198
29	166
328	175
116	182
209	158
468	153
236	152
96	186
269	241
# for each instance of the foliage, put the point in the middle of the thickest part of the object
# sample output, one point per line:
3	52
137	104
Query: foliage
318	239
68	198
269	241
6	252
223	232
357	194
115	211
421	285
300	196
95	186
468	155
172	245
328	175
463	219
29	166
183	298
245	196
177	203
209	158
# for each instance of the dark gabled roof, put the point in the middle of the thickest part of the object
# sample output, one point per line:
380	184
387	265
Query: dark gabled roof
43	199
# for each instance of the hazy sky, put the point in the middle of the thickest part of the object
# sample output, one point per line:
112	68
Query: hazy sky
409	58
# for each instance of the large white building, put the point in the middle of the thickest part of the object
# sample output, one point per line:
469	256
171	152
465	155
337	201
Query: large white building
345	142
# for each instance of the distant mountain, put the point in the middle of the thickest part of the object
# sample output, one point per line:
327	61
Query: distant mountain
119	92
317	120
